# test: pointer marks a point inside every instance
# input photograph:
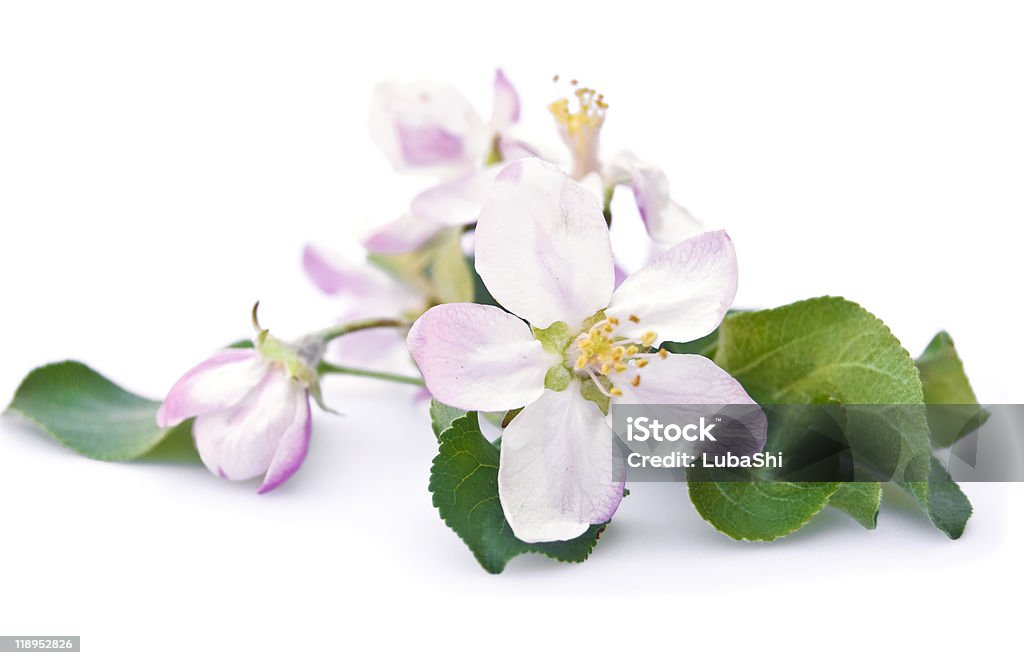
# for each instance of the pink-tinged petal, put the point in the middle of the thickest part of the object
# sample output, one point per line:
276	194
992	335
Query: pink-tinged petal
294	445
428	146
679	379
513	149
478	357
681	295
365	291
240	442
424	125
219	382
620	274
405	234
556	473
332	274
667	222
506	103
379	349
457	201
542	246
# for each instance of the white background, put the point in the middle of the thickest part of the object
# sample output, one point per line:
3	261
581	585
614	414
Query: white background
162	164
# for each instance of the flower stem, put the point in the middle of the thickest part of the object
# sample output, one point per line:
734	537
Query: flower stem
329	368
334	332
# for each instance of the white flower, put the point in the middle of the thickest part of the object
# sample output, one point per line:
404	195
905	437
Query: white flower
543	251
428	126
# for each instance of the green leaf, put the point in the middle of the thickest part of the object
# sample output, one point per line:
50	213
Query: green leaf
945	382
942	373
442	415
89	414
756	510
464	485
943	500
818	351
861	501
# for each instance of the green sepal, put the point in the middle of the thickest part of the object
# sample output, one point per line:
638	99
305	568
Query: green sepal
555	338
557	378
591	392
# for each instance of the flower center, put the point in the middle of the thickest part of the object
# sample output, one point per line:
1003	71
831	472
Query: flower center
580	126
602	354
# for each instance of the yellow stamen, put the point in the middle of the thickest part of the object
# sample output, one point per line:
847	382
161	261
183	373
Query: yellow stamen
663	353
634	318
580	126
602	354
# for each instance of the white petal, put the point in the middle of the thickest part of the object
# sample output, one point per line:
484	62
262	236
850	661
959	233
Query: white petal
291	451
667	222
593	183
542	246
240	442
556	473
682	294
426	125
513	149
457	201
506	103
219	382
478	357
364	289
407	233
333	274
679	379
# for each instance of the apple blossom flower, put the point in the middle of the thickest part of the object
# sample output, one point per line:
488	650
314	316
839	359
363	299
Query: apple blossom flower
579	125
251	409
543	251
426	125
429	126
457	201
